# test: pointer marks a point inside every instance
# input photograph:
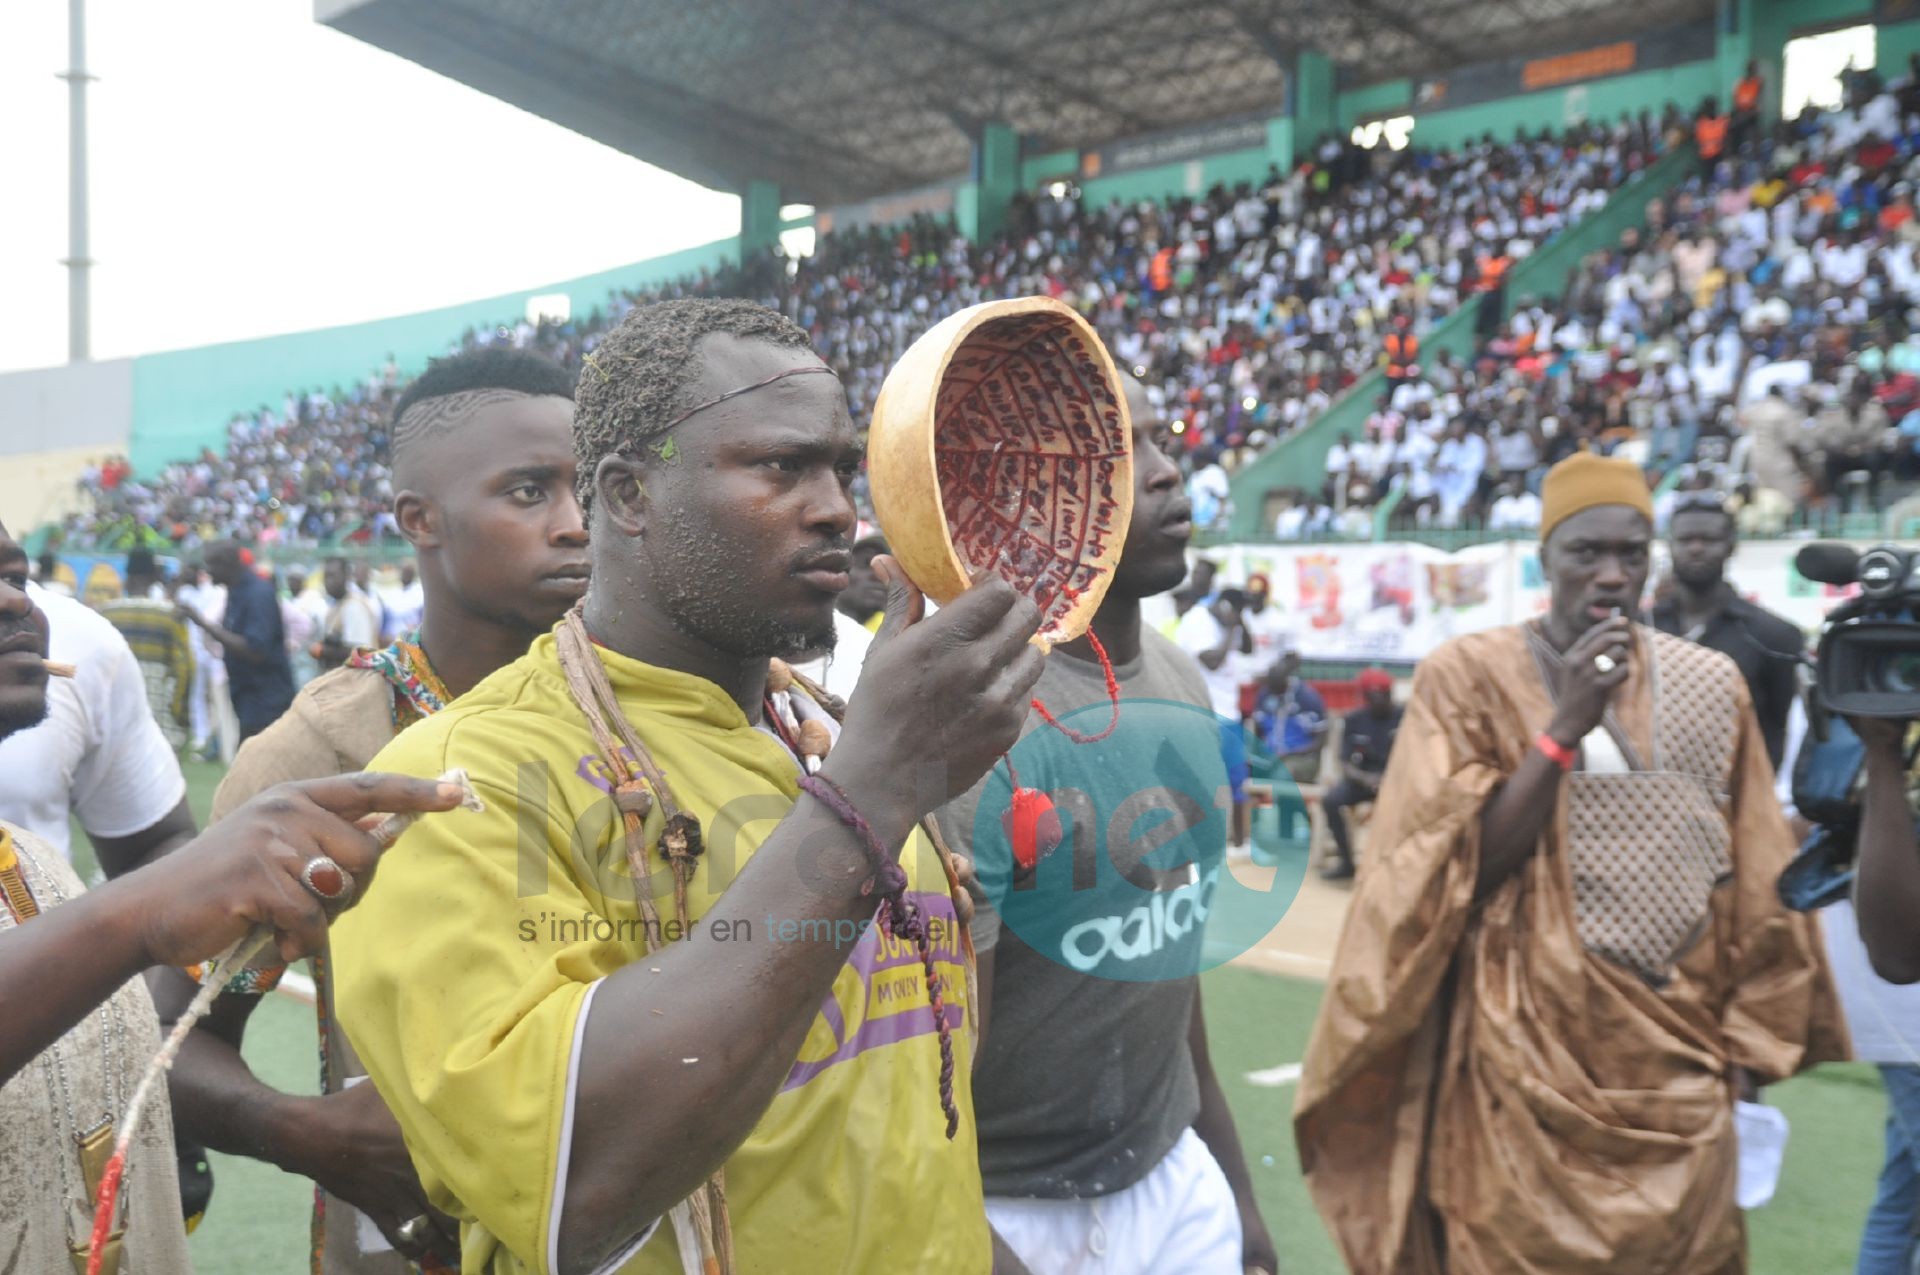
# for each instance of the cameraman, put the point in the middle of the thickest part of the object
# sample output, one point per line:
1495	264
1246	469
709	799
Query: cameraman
1887	894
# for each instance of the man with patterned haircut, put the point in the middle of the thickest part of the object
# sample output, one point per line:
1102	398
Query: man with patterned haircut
1565	957
648	984
482	455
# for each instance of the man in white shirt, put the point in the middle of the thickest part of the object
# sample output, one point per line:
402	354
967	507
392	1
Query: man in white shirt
1340	459
312	604
1272	635
1373	456
1457	469
1416	453
404	605
1843	259
352	619
839	669
1217	637
1516	451
1514	509
207	704
98	756
1210	491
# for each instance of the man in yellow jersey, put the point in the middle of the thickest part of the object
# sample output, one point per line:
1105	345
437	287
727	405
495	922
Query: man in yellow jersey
726	1040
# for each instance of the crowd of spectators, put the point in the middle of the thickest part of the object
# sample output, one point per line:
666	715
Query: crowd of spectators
1761	335
1248	309
1758	332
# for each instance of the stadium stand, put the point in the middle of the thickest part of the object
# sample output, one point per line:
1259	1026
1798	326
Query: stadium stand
1757	338
1754	337
1247	309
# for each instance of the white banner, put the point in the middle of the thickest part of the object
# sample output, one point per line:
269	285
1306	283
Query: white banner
1395	602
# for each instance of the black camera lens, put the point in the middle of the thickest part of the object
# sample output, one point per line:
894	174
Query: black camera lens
1895	673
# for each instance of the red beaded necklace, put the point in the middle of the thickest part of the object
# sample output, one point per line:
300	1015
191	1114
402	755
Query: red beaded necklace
1031	823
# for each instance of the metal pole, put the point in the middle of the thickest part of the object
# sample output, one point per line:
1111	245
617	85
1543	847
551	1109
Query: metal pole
77	262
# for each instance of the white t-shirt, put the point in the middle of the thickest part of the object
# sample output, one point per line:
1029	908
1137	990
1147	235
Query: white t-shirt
209	600
404	607
99	755
314	604
1211	493
841	670
1198	631
1515	513
353	620
1273	637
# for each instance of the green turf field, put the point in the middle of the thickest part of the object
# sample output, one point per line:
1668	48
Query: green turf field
258	1222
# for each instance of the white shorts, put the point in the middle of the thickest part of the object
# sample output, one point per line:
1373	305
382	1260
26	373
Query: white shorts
1178	1220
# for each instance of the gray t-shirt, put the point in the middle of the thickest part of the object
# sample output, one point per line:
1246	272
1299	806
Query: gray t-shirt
1085	1079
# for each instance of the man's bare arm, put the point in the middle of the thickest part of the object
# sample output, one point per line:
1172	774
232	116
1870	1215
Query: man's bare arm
1514	817
1888	898
118	855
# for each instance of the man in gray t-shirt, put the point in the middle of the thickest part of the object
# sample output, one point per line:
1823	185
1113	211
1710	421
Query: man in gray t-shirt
1102	1128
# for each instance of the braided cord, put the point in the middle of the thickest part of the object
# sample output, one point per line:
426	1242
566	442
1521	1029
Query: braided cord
900	917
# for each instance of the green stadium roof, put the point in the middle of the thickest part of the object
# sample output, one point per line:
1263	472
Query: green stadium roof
842	100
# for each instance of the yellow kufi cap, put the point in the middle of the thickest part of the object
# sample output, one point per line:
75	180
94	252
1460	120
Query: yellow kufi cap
1586	479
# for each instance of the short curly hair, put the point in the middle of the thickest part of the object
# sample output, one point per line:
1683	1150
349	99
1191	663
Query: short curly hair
642	373
495	367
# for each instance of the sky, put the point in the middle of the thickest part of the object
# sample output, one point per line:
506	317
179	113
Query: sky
254	172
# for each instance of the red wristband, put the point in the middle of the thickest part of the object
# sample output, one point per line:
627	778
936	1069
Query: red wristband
1556	752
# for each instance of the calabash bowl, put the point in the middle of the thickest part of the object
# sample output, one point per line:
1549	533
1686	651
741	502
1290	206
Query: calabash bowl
1001	442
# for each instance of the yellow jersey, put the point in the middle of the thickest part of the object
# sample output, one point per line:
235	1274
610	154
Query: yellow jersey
460	979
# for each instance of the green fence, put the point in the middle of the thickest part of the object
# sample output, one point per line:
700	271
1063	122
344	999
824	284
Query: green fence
1300	459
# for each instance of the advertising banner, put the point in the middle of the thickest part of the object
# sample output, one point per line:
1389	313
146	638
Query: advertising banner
1395	602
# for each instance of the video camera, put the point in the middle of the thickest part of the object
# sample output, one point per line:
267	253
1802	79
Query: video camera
1868	661
1867	664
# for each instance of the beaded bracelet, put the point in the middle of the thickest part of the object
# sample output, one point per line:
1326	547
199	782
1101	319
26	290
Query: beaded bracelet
889	878
898	916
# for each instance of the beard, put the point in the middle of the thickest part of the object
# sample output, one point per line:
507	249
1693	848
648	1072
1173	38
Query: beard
22	715
738	630
709	592
1699	577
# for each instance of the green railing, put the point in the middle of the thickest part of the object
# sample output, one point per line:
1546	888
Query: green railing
1300	459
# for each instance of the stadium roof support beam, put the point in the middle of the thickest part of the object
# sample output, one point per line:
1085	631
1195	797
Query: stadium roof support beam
759	218
1415	31
1005	60
1311	98
996	168
1259	28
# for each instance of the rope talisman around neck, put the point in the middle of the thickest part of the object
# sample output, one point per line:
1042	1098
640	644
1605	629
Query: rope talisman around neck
637	784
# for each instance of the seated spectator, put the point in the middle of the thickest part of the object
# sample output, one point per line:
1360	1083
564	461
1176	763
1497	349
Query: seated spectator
1290	720
1366	740
1514	508
1210	490
1852	437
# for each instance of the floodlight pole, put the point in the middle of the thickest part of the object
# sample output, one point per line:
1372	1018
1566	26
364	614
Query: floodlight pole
77	262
